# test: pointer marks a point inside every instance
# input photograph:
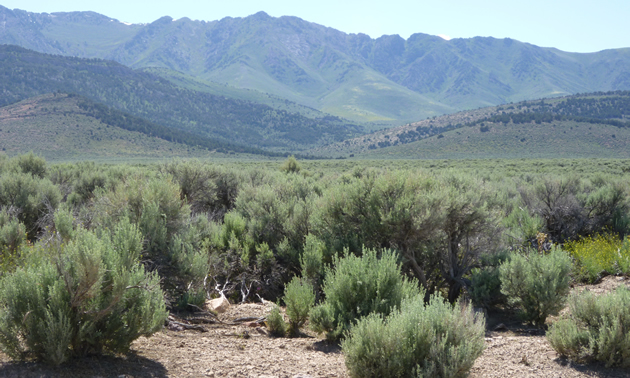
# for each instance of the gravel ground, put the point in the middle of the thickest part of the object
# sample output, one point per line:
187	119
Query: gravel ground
245	350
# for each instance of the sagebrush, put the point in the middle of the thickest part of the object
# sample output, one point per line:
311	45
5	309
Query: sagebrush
358	286
420	339
537	284
86	297
595	329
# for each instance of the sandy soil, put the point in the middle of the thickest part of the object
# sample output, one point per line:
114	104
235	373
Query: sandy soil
245	350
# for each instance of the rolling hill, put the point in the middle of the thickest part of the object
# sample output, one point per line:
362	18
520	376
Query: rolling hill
387	80
61	127
230	122
578	126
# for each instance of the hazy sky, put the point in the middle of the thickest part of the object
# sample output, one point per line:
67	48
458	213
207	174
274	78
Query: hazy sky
570	25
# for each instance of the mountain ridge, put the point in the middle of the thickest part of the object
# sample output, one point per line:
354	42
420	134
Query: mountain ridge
387	79
25	73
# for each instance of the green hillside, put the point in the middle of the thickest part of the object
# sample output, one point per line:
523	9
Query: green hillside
388	80
25	74
588	125
200	85
561	139
57	127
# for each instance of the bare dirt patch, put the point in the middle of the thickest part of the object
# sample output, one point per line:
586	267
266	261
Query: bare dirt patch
520	351
245	350
224	350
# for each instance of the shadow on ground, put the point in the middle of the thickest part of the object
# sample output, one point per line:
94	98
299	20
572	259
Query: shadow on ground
594	369
128	366
326	347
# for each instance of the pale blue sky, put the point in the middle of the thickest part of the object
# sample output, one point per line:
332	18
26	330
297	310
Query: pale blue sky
570	25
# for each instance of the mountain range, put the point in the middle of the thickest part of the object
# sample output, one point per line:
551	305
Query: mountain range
387	80
218	121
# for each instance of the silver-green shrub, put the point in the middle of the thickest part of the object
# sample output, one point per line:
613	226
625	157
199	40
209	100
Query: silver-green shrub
30	198
538	284
485	281
89	296
419	340
299	298
275	322
357	287
595	329
311	261
12	238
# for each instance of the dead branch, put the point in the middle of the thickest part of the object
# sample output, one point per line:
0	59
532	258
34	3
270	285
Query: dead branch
185	326
250	319
245	294
199	320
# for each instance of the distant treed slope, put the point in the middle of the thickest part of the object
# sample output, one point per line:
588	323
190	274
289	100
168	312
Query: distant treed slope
24	74
116	118
352	75
601	108
59	127
610	108
545	140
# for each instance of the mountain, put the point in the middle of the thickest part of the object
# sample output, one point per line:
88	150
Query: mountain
230	122
593	125
384	80
66	127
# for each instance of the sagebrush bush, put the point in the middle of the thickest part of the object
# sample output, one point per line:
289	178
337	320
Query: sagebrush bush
358	286
291	165
153	203
206	188
439	224
311	262
571	207
538	284
279	213
29	163
595	329
84	187
239	263
419	340
521	226
299	298
275	322
64	224
485	281
32	198
600	254
191	297
12	237
86	297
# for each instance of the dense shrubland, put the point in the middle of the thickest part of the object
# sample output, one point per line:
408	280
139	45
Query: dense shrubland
348	249
595	329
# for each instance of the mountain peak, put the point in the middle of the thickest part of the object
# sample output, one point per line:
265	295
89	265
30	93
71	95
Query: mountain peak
260	16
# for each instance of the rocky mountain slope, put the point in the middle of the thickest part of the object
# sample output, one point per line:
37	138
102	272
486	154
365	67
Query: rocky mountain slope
388	79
